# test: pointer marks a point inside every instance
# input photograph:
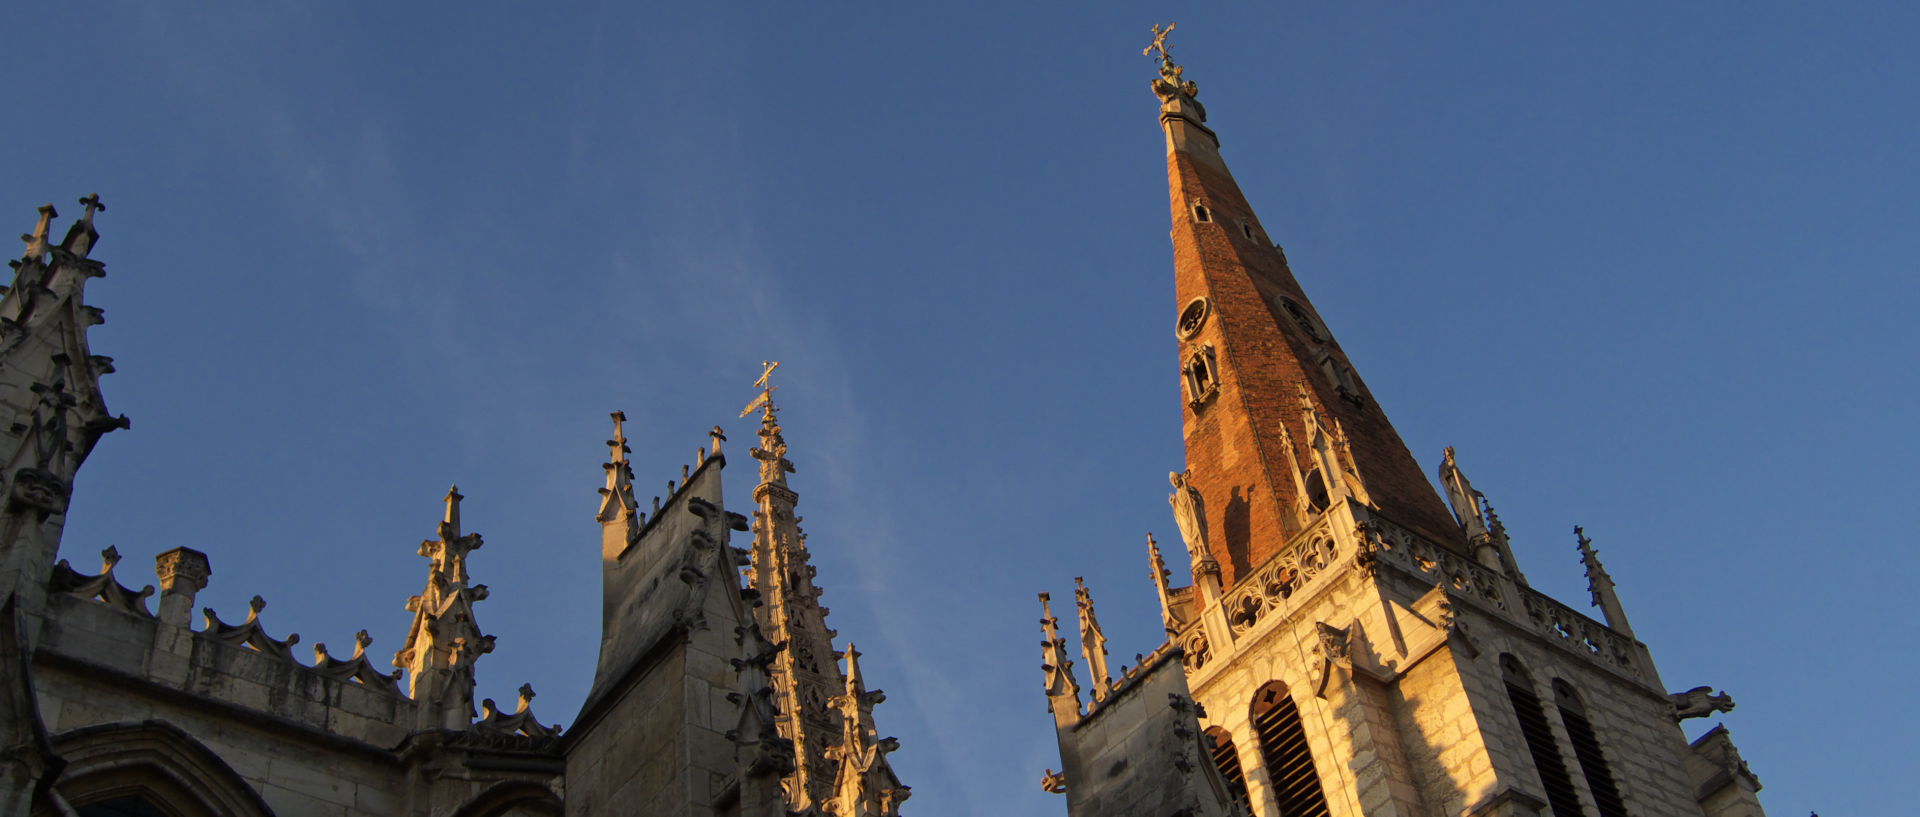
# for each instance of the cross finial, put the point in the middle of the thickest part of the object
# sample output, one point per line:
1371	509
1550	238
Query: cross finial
92	202
1160	43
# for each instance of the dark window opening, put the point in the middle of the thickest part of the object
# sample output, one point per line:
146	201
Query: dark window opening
121	807
1227	758
1562	799
1586	749
1201	213
1283	746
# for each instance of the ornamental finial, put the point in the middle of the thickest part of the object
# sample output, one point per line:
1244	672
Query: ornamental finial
1170	82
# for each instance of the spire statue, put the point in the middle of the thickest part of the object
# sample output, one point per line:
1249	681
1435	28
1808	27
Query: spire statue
1190	513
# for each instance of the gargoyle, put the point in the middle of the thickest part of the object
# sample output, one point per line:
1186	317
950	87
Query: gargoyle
1699	702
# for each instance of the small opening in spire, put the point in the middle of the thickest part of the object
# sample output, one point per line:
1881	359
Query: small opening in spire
1246	229
1317	497
1201	213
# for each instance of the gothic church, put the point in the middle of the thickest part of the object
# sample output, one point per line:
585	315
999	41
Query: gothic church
712	696
1351	643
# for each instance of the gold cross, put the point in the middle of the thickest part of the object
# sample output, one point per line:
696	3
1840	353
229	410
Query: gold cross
1159	43
770	366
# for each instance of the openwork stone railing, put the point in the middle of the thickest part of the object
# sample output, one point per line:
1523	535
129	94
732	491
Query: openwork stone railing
1581	634
1279	582
1286	573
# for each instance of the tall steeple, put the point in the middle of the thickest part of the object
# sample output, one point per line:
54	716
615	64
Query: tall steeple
805	678
1277	423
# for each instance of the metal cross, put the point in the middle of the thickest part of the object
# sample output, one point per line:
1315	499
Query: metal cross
1159	43
770	366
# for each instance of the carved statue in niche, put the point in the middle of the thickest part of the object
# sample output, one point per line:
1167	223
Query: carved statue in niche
1189	512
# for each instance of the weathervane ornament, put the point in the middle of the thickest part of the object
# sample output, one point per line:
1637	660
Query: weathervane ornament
1170	82
765	399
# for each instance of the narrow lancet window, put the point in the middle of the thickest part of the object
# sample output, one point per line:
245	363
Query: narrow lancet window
1203	376
1227	758
1283	746
1586	749
1562	799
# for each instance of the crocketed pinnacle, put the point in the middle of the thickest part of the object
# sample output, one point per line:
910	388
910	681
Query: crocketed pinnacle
804	676
866	784
1600	585
444	641
1063	692
617	497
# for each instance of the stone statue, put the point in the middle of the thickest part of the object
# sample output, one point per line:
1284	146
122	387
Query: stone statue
1461	495
1190	513
1699	702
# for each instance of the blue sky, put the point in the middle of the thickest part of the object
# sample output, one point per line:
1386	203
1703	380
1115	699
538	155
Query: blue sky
1649	267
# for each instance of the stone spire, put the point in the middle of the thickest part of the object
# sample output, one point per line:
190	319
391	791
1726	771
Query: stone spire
866	785
54	407
1250	346
1157	565
1063	692
445	641
804	676
1093	642
619	517
1601	585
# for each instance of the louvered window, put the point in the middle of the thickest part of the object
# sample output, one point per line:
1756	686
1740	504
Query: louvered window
1283	745
1562	800
1586	749
1227	758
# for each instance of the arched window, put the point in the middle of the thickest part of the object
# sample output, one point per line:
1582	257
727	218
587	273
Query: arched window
121	807
1283	745
1227	758
1586	749
1562	800
149	769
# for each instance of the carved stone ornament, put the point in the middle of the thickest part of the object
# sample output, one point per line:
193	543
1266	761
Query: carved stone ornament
1053	782
38	490
1193	318
1699	702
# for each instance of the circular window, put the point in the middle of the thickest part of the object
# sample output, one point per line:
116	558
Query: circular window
1192	318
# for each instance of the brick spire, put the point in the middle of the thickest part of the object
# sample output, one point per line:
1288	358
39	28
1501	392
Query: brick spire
805	678
1277	422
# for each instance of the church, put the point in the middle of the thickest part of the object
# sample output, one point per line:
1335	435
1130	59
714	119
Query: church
1350	643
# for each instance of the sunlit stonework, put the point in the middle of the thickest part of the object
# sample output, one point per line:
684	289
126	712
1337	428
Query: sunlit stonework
1351	644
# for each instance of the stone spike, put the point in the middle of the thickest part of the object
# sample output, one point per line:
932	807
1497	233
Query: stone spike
1063	692
1093	642
1600	584
1157	565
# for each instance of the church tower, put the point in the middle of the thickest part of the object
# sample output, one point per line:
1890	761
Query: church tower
1353	643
